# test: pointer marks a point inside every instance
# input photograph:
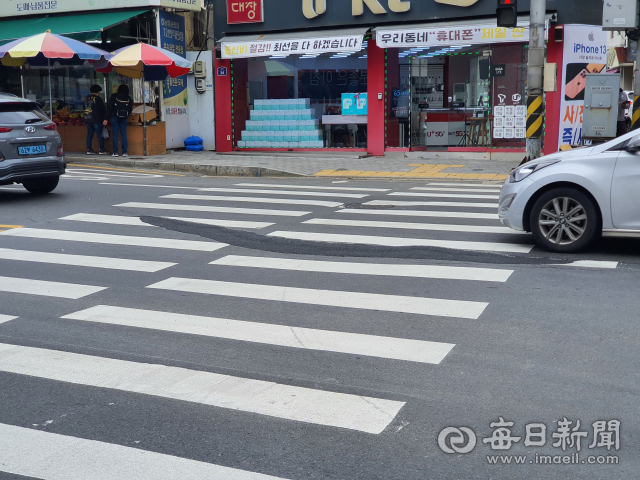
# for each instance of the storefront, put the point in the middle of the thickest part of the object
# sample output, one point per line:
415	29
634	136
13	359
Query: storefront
108	27
374	76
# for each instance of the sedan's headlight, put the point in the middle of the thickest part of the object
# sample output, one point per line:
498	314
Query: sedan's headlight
527	169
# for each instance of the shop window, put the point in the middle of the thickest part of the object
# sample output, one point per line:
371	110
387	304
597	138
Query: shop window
300	101
460	96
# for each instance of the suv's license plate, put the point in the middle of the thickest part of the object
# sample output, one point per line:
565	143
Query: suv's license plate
35	149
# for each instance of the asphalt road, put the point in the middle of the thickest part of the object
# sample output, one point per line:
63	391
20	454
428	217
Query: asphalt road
309	328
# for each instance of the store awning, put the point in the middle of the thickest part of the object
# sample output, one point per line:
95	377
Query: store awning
299	43
81	27
454	33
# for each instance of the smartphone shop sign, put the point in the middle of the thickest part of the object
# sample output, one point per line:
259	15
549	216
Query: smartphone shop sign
585	51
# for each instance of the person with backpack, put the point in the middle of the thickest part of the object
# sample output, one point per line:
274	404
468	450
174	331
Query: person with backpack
94	117
120	107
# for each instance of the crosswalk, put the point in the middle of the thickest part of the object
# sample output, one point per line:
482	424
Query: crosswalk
135	277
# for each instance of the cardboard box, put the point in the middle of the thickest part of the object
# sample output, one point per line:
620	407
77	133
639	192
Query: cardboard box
137	114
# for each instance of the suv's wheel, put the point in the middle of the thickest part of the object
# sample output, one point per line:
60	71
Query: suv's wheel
565	220
41	185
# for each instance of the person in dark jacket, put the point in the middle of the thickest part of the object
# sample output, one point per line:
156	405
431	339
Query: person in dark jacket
120	107
94	116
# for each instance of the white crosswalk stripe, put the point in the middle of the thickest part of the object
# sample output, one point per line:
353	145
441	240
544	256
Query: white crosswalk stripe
280	335
443	227
136	222
345	299
150	242
207	208
404	242
6	318
450	189
107	219
224	198
382	269
312	187
444	195
401	203
421	213
50	456
285	192
355	412
46	289
83	260
466	185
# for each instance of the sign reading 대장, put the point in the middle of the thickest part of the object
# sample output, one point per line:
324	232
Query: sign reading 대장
245	11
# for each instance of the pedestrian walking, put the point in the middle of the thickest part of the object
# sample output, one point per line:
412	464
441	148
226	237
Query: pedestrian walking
120	107
95	117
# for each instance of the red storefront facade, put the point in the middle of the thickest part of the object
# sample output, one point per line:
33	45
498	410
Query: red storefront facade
430	94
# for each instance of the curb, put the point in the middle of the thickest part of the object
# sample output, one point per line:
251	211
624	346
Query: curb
196	168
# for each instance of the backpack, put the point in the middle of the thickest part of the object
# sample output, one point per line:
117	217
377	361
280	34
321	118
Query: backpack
89	103
121	108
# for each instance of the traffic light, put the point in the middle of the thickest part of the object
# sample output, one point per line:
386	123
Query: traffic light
507	13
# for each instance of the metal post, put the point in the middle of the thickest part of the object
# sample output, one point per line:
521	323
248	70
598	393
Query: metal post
635	118
535	79
144	120
50	97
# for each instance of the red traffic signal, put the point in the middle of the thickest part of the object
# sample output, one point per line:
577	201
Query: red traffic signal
507	13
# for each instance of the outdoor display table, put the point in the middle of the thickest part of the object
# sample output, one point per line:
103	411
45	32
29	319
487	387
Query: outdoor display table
74	139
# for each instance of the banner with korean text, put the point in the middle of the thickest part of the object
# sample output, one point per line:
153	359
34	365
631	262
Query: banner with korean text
585	51
175	94
291	46
400	37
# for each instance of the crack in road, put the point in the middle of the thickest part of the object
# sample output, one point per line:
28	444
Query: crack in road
255	241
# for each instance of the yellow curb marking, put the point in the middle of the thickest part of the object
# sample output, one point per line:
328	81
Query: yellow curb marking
124	170
11	226
421	171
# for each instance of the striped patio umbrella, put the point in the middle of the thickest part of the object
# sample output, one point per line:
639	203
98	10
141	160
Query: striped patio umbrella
145	61
47	46
39	50
148	63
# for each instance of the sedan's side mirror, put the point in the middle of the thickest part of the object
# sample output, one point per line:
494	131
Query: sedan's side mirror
633	147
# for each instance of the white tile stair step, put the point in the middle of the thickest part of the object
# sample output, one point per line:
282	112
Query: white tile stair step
279	335
413	226
207	208
334	298
51	456
283	201
376	269
404	242
355	412
150	242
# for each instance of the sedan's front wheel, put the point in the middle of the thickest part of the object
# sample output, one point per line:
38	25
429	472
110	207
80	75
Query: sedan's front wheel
565	220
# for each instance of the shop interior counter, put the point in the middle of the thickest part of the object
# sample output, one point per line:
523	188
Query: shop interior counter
74	139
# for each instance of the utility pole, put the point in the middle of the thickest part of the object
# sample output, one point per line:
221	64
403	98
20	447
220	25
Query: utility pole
535	79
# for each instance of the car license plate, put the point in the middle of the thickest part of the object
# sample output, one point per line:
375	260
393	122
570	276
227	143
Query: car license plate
32	150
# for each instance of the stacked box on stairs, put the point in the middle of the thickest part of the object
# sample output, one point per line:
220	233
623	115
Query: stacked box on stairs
287	123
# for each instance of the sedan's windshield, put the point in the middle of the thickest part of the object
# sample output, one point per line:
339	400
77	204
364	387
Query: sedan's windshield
12	113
